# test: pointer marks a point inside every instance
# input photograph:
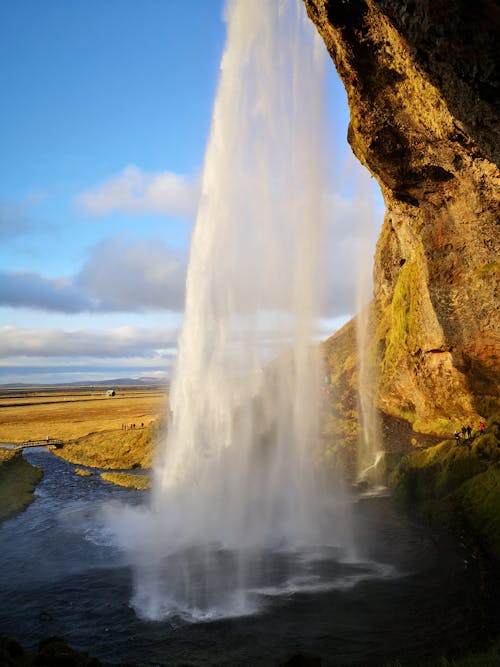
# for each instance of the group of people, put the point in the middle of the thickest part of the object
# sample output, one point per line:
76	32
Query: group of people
130	427
467	433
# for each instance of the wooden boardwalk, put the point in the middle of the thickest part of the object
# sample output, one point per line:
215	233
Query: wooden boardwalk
40	443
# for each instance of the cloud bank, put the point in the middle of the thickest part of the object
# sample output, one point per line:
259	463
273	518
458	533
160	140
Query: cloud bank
120	275
96	343
27	289
124	275
59	356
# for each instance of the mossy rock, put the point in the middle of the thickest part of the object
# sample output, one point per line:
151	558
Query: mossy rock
456	485
18	480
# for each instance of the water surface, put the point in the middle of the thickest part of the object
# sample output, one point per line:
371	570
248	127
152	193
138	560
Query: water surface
410	597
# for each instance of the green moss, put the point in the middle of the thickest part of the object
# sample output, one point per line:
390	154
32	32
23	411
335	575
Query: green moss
439	426
488	269
400	323
18	480
405	410
7	455
479	499
456	485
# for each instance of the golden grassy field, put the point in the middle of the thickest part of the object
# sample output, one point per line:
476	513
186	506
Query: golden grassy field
91	425
111	449
140	482
72	413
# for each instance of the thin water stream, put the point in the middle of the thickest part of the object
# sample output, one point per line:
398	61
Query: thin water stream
60	575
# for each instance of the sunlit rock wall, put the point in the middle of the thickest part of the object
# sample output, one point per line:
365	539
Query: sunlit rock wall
422	80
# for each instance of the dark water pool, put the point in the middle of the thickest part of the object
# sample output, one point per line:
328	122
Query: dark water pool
413	597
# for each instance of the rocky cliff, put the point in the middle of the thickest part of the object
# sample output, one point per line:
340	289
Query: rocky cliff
422	78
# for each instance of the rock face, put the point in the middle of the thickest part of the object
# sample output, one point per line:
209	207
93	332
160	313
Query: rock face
422	78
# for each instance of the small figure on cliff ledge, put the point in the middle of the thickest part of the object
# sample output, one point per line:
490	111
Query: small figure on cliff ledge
482	427
457	437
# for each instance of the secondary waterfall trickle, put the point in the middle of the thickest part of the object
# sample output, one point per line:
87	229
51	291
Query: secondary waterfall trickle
240	476
370	457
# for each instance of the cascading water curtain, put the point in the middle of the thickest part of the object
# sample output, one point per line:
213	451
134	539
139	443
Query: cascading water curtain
239	474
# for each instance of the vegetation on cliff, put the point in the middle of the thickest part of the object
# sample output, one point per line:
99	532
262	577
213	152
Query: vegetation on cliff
421	85
456	485
339	414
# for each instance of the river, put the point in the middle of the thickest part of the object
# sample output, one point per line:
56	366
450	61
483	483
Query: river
416	596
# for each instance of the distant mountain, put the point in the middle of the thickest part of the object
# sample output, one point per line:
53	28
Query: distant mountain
122	382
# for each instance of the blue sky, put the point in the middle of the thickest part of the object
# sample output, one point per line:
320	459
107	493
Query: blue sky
106	110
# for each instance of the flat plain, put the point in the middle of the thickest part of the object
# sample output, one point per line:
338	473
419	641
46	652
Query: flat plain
69	413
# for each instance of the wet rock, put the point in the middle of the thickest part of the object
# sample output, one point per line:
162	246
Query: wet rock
301	660
10	647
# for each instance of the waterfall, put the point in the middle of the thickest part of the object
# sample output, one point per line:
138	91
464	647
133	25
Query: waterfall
240	476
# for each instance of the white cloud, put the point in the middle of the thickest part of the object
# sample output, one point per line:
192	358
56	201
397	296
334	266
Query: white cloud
353	226
127	275
83	355
116	343
136	191
120	275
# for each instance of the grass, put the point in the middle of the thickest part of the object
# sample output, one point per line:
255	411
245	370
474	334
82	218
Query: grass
74	413
456	485
18	480
128	480
7	455
91	425
83	473
111	449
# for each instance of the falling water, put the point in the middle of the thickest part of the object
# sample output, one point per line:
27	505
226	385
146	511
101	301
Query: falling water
238	485
371	458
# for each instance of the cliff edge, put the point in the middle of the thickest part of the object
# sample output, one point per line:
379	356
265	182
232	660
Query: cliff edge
422	79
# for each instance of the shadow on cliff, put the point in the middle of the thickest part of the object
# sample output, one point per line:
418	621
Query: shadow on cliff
457	47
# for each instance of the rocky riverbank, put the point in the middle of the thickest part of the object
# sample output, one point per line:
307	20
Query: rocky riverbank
55	652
